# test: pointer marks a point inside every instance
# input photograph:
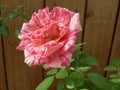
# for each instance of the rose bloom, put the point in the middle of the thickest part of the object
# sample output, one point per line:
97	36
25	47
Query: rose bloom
49	37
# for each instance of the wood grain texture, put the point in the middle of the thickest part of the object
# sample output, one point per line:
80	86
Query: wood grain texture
2	70
99	28
116	43
115	53
20	76
74	5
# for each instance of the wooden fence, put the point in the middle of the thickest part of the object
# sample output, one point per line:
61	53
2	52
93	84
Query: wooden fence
100	21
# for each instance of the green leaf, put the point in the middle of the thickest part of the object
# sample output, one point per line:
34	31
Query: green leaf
85	85
63	73
72	60
84	69
44	85
116	62
100	81
79	82
4	30
84	89
70	84
115	80
114	76
60	85
116	86
24	15
110	68
95	88
78	46
78	62
13	15
76	75
44	66
16	32
1	20
1	6
89	60
52	71
77	78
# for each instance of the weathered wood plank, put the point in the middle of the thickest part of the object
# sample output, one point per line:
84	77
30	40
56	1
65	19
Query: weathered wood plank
20	76
116	43
3	82
74	5
99	29
115	53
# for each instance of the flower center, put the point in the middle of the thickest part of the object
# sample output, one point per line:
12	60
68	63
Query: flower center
48	35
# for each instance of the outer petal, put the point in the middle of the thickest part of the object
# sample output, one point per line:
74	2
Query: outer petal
61	14
23	44
58	61
39	20
23	31
38	55
75	23
33	59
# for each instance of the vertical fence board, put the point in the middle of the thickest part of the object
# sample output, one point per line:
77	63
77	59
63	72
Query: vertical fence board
74	5
116	43
99	28
20	76
2	70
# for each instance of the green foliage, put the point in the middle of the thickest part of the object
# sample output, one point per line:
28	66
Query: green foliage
114	76
1	6
78	46
63	73
100	81
115	80
45	83
70	84
1	20
13	15
116	62
16	32
4	30
83	59
89	60
52	71
25	16
79	75
44	66
60	85
110	68
84	89
76	75
84	69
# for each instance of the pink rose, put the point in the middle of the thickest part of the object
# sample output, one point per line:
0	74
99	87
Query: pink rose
49	37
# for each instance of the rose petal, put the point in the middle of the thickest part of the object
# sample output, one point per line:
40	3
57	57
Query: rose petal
75	23
58	61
